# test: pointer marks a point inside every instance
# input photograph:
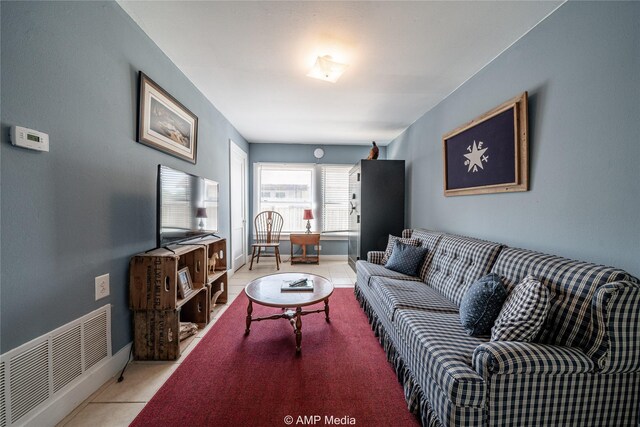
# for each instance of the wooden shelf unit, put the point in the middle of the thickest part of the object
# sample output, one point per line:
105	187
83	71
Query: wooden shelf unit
217	278
153	294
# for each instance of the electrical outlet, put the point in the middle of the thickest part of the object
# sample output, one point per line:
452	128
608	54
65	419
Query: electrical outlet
317	247
102	286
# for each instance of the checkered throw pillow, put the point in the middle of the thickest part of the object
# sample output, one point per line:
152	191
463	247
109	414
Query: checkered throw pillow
524	312
392	242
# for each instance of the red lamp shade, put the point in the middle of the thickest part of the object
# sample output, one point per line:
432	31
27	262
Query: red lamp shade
308	214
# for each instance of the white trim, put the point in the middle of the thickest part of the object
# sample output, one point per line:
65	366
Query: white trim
344	258
65	402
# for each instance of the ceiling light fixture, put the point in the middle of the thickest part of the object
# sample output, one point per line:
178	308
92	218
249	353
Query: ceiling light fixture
327	69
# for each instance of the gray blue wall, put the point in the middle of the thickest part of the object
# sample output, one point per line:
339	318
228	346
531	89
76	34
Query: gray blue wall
303	153
581	67
87	206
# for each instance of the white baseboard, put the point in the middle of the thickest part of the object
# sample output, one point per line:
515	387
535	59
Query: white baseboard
91	381
334	257
344	258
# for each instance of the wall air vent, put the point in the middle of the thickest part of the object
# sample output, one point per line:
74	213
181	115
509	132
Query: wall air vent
67	357
32	375
29	380
95	340
3	410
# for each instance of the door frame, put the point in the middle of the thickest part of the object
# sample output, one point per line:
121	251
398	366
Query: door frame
233	147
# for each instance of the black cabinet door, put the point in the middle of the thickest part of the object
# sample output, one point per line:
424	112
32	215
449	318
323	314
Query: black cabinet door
376	193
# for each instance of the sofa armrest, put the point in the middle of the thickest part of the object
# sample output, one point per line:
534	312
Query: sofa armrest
375	257
406	233
615	337
510	357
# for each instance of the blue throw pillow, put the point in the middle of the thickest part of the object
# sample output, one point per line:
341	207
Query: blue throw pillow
481	305
406	259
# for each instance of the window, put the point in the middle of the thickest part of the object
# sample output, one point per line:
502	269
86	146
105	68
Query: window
286	189
289	189
335	198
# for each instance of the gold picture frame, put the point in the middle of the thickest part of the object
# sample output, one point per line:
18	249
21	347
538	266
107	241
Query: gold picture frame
164	123
489	154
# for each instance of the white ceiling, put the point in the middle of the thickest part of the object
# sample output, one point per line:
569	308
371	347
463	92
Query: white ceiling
250	59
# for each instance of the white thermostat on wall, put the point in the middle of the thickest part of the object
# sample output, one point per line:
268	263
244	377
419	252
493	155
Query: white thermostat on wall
29	138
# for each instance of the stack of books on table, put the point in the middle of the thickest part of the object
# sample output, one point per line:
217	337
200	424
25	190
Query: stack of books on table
297	285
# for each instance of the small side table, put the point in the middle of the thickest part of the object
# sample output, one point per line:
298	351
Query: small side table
303	239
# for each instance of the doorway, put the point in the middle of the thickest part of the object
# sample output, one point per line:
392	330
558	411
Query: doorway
238	189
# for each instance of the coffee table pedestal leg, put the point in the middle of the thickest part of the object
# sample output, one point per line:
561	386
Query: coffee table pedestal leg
326	310
298	328
249	311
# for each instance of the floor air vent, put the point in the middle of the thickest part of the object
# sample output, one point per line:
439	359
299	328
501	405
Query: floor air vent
32	374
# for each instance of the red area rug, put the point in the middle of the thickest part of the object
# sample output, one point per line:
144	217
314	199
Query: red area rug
341	377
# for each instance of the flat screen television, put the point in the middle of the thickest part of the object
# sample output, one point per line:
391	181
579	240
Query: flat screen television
187	206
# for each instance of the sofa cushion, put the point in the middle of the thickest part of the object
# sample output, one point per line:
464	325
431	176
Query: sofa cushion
392	244
571	285
523	313
406	258
366	270
395	294
481	305
458	262
428	239
439	351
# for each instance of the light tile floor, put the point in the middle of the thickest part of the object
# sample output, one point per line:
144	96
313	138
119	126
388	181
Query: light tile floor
117	404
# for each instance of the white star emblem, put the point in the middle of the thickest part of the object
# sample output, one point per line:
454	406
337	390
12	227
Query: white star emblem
475	157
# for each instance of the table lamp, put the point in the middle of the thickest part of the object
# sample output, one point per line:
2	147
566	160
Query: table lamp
201	213
308	215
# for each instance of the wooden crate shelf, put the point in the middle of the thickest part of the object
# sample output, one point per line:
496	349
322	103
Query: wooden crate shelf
219	289
153	276
156	334
153	294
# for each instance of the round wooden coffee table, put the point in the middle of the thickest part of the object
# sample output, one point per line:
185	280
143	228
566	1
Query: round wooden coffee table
267	291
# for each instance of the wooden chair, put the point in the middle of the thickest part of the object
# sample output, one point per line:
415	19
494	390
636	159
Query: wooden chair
267	227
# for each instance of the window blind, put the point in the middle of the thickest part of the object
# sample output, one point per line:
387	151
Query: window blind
335	198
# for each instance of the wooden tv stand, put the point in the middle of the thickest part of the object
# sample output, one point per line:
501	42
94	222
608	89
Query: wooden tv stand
154	298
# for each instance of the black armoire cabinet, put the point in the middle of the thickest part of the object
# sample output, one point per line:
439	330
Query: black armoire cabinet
376	194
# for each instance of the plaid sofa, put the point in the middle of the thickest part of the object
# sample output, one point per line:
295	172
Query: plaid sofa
584	371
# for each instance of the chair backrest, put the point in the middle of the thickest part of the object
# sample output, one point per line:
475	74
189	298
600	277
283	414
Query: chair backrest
268	225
